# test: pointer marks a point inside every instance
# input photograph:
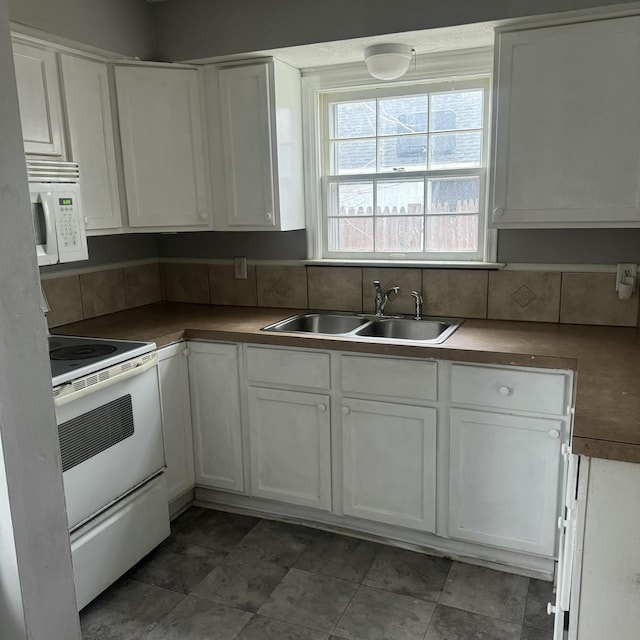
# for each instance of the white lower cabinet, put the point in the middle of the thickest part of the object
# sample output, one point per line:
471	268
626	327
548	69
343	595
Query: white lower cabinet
389	463
215	408
176	419
290	440
503	480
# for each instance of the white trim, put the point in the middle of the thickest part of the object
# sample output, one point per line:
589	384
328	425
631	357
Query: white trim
564	268
78	271
398	264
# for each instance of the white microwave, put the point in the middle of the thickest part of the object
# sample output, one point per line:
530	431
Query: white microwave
56	206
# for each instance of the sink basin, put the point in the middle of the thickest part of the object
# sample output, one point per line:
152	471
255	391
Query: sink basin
408	329
369	328
329	323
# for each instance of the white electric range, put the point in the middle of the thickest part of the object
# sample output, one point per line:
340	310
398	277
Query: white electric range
107	401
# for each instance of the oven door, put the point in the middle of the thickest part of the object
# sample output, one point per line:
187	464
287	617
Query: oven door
110	434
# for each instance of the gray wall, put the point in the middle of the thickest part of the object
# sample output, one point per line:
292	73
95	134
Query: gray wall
189	29
123	26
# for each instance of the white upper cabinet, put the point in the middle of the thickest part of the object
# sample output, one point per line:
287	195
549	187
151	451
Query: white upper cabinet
255	142
162	146
38	94
567	129
87	101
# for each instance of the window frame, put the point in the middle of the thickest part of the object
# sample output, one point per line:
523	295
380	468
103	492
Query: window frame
435	73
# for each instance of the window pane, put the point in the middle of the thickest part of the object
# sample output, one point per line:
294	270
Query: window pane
452	233
350	234
456	195
354	119
405	115
399	198
408	153
456	110
351	199
353	157
401	234
455	150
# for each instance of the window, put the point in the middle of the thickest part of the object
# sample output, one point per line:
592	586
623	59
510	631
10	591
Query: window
403	171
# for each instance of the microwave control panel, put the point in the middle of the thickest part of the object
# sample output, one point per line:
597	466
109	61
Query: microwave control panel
72	243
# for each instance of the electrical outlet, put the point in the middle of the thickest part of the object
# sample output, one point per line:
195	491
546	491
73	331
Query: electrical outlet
240	268
627	273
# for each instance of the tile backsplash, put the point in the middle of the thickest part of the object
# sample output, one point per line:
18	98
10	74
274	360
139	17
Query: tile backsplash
535	296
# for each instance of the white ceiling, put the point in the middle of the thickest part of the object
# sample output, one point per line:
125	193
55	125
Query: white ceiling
348	51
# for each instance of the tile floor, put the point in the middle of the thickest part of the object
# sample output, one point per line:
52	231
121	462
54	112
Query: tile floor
223	576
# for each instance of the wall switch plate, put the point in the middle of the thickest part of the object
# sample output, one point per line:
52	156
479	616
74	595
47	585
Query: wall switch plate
627	274
240	268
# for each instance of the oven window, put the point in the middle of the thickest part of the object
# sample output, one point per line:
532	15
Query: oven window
89	434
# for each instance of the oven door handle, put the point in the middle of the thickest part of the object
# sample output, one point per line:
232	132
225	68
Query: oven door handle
70	395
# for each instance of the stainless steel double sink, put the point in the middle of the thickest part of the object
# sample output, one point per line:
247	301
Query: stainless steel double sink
369	327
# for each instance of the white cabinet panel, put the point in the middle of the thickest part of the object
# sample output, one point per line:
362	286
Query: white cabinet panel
503	484
39	97
289	434
288	367
85	86
389	463
215	410
567	132
254	115
176	419
162	146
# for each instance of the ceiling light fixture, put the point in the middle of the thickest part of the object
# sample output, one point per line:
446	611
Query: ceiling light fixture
388	61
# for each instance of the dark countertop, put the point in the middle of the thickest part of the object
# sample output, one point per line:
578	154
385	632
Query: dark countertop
607	359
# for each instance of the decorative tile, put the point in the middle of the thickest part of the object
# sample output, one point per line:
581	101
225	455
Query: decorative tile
225	289
591	298
177	567
374	613
261	628
524	295
459	293
186	282
65	300
127	611
142	284
408	572
102	292
338	557
277	542
309	600
212	529
453	624
407	279
282	286
535	614
487	592
241	582
335	288
196	619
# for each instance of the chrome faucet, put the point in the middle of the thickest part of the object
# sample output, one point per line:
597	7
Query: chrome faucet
382	297
419	301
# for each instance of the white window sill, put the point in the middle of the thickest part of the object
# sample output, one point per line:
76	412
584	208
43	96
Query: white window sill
420	264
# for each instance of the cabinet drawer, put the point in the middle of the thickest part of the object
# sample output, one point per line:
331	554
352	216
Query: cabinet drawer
509	389
288	367
412	379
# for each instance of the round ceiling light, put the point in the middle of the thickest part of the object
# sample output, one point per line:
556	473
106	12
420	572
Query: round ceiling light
388	61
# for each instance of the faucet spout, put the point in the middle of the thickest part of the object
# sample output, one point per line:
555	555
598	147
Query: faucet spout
382	297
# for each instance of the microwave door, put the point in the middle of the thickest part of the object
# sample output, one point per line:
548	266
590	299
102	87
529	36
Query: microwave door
44	228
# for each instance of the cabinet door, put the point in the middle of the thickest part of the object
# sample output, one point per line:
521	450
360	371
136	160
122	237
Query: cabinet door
503	485
176	419
38	94
289	434
87	100
162	146
215	411
389	463
567	132
247	132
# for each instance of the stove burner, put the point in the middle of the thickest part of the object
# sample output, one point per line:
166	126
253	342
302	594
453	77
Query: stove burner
82	352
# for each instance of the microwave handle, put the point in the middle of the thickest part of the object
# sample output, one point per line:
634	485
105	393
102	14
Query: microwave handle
52	243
